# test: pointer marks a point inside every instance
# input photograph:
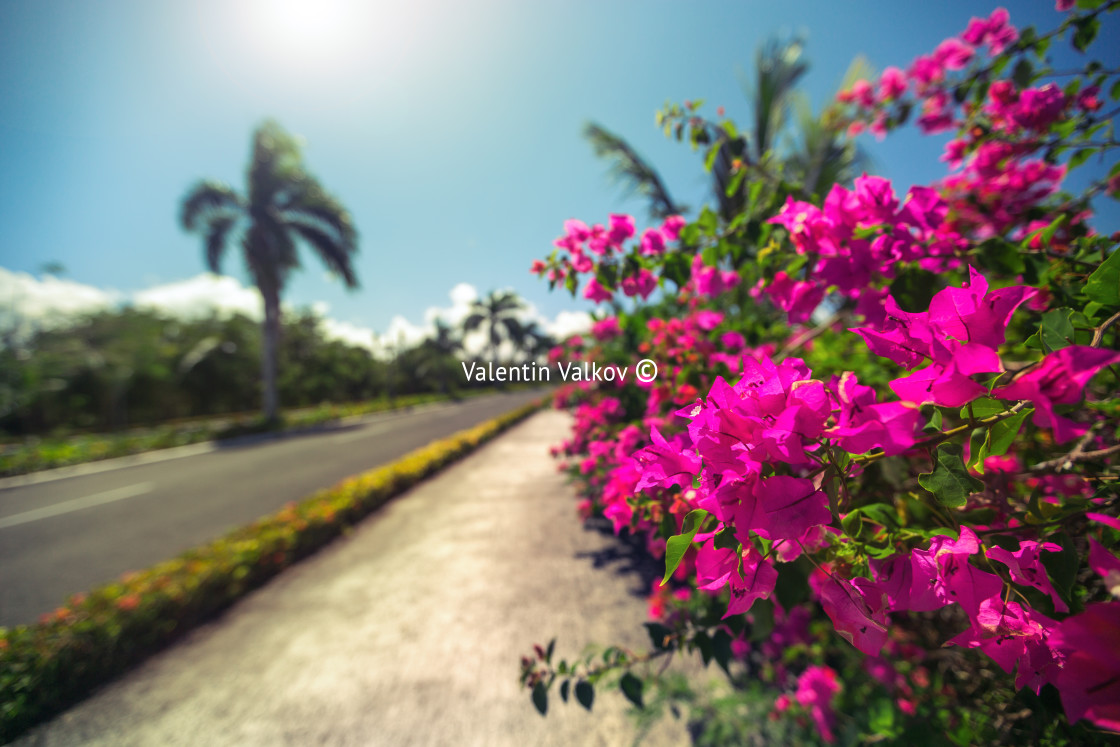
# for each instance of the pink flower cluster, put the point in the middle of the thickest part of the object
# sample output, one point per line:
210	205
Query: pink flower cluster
846	257
581	242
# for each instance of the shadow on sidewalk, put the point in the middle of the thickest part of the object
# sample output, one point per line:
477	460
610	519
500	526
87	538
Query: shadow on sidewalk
625	556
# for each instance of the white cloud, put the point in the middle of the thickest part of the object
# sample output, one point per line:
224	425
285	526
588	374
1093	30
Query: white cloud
201	296
569	323
49	300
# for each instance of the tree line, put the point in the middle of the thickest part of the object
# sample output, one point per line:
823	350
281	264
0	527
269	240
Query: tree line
129	367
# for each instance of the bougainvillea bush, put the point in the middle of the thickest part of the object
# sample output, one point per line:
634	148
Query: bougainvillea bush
879	462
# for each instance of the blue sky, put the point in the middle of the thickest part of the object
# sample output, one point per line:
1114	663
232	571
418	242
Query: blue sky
450	129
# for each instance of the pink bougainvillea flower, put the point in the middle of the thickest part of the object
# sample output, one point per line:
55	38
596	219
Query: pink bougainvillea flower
791	505
1058	379
1025	567
706	319
666	463
1106	565
1014	635
711	281
856	608
864	424
1089	682
621	228
756	582
799	298
642	284
816	688
949	383
972	314
892	84
672	226
596	292
942	575
995	31
653	242
606	329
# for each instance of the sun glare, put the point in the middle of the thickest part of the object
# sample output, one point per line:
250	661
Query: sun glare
309	28
326	35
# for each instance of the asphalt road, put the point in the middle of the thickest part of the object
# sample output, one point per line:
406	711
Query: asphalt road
63	536
406	631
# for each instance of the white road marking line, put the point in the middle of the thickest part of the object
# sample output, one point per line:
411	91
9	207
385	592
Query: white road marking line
77	504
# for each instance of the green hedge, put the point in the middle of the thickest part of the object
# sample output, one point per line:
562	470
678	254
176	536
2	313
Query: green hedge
47	667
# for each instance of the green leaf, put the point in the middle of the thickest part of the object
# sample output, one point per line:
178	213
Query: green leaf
708	221
1023	73
632	689
1003	256
710	158
677	267
1056	331
914	288
585	694
950	482
1103	285
1114	92
678	544
984	407
1087	29
977	445
1004	432
564	687
934	424
540	698
852	523
1080	157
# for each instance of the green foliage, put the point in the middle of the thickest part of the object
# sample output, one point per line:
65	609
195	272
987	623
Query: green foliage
949	481
678	544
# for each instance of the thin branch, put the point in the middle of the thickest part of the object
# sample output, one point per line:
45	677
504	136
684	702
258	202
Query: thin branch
1098	335
806	336
1077	455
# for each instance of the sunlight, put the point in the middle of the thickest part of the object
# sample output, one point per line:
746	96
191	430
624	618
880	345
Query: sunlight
326	35
307	27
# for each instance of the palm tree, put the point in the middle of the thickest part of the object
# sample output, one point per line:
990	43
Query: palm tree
284	205
816	155
437	353
533	341
497	313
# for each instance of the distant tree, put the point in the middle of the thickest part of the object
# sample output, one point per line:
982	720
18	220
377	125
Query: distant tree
497	314
283	206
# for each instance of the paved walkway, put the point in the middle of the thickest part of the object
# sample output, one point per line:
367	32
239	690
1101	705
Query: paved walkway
406	632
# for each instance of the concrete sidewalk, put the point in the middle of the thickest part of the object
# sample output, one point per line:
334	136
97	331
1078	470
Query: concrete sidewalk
406	632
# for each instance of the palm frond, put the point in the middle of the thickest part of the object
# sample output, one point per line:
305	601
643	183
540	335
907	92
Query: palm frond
334	254
218	231
631	170
207	198
778	69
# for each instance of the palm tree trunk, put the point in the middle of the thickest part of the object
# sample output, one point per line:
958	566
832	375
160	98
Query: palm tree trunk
269	352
